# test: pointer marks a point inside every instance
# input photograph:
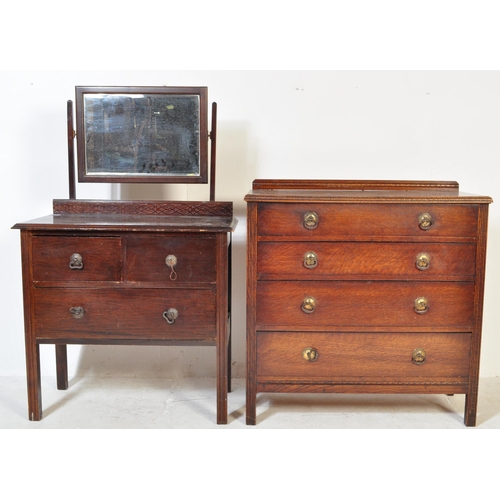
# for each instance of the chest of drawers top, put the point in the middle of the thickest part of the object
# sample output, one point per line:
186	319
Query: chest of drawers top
298	210
360	192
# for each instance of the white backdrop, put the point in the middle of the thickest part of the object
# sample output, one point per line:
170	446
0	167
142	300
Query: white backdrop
422	125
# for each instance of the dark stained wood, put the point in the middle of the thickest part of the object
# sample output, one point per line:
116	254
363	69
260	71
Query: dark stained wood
472	393
365	185
324	191
120	313
368	304
122	222
32	348
251	309
380	219
71	151
229	258
159	208
102	258
364	325
195	254
125	286
362	357
213	151
138	341
223	335
353	260
62	366
449	388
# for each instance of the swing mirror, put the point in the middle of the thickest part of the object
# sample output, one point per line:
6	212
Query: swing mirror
142	134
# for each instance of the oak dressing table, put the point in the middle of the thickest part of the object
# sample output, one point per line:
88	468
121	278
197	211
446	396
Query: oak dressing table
131	272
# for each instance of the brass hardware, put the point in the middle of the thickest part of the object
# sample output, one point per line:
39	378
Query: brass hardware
76	261
425	221
423	261
309	305
418	356
170	315
77	312
311	220
421	305
171	261
310	354
310	260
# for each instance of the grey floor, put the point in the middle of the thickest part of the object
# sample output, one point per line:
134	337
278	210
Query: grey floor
190	403
96	442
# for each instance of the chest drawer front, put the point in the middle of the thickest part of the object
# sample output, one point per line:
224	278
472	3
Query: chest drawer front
76	258
125	313
362	357
344	260
330	220
191	258
371	304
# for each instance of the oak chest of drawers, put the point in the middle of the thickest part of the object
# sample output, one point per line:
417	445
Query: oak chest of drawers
131	273
364	287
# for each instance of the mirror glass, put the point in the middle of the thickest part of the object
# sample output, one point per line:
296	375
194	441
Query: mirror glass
141	136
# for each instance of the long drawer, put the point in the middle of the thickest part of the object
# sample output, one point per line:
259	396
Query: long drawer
76	258
309	305
125	313
410	358
347	260
317	220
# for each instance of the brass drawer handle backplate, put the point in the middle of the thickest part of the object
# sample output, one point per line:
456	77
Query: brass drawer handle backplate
418	356
77	312
309	305
310	260
171	262
311	220
170	315
425	221
423	261
310	354
421	305
76	261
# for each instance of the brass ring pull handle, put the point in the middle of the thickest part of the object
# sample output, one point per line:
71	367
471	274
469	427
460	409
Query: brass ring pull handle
170	315
311	220
309	305
423	261
77	312
418	356
425	221
76	261
310	354
310	260
421	305
171	261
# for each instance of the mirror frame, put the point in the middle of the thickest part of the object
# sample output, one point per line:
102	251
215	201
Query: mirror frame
81	136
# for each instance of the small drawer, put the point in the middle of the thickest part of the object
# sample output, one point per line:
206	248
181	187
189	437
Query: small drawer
402	358
170	259
343	260
354	221
169	314
310	305
76	258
